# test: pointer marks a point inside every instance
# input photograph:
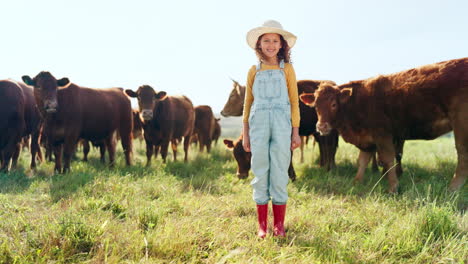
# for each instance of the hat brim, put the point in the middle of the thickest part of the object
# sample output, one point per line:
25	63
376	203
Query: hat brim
254	34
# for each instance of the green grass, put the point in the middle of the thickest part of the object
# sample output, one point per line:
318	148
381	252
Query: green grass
199	212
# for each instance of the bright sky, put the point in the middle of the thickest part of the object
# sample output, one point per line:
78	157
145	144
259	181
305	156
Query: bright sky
193	47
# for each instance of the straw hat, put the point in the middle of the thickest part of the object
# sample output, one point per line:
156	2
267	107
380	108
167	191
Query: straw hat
270	26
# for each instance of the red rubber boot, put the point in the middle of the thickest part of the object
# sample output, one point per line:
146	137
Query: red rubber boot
279	212
262	213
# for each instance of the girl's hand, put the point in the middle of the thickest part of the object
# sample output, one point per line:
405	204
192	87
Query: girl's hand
295	138
246	143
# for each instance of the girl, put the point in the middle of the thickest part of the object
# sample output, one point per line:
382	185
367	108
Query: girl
271	120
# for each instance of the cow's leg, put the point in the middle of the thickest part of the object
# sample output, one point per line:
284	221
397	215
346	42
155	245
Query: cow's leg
386	152
200	144
303	139
8	153
58	158
399	155
86	149
174	148
363	161
156	150
320	140
208	146
186	147
149	153
110	146
1	160
69	149
164	147
127	142
35	149
102	152
331	145
375	166
460	128
16	153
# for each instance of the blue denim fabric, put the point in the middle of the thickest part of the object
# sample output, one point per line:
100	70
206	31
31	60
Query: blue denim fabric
270	136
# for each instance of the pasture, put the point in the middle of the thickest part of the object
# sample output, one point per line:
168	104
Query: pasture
199	212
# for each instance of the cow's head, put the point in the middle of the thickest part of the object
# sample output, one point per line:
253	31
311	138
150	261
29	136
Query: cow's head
45	90
327	101
235	103
148	100
242	158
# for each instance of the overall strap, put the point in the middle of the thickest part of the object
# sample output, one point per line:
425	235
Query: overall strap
281	64
259	66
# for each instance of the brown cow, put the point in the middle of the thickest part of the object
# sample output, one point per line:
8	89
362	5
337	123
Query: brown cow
72	112
12	122
204	126
243	159
166	119
22	103
327	144
421	103
235	104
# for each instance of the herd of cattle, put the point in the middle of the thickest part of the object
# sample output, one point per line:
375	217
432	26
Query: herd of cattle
59	114
376	115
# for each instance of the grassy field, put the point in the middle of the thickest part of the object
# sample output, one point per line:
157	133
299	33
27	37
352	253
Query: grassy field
200	212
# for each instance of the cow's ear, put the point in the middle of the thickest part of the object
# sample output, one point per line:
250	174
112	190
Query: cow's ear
27	80
161	95
229	144
217	119
344	95
131	93
308	99
63	82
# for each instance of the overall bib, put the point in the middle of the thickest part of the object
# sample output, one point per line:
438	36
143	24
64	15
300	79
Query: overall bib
270	136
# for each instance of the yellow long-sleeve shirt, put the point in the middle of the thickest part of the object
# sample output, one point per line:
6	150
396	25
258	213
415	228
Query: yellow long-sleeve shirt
291	82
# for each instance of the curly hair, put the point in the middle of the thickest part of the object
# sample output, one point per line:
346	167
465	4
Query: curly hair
283	54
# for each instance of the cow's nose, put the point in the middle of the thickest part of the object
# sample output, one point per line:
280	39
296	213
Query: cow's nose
323	128
147	114
50	106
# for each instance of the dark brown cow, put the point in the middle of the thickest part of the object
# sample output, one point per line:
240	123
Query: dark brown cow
12	122
30	119
243	159
204	126
217	131
72	112
166	119
328	143
421	103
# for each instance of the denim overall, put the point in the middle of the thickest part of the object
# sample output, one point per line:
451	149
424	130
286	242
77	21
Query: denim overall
270	136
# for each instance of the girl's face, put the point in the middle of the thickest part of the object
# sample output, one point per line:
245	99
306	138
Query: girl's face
270	44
